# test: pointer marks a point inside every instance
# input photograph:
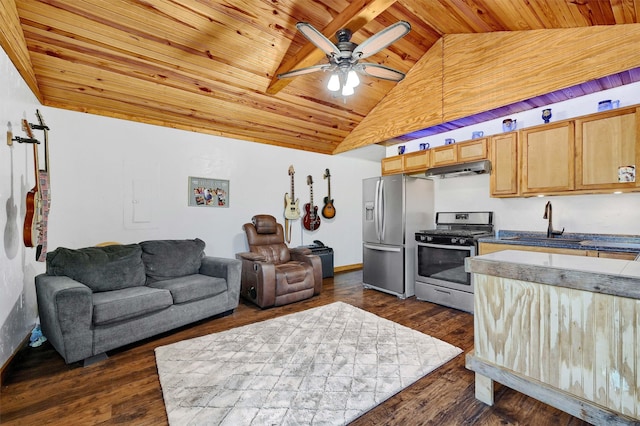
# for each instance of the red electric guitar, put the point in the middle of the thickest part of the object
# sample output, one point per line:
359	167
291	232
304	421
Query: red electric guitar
311	220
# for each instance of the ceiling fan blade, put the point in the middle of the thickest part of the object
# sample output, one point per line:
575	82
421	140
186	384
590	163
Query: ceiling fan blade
384	38
317	38
303	71
380	71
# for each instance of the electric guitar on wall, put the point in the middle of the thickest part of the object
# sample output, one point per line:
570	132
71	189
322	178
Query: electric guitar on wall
311	220
33	217
291	209
328	211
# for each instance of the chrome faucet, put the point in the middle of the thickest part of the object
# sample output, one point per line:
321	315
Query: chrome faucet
548	212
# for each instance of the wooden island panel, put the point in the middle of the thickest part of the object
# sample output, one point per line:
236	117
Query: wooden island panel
572	348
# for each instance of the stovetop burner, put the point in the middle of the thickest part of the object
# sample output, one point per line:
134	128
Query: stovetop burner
458	228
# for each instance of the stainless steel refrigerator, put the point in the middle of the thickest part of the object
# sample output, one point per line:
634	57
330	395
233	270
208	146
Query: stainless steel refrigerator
394	208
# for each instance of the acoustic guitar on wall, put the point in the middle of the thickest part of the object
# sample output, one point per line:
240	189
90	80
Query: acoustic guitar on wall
311	220
33	216
291	208
328	211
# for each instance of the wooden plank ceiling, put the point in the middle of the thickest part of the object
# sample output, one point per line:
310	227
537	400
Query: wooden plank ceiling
210	66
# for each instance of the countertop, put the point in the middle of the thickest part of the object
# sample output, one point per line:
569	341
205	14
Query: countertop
608	276
600	242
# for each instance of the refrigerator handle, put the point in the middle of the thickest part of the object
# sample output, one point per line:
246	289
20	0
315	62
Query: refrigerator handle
383	248
382	211
376	209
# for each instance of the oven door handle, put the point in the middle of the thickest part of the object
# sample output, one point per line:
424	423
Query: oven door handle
381	248
445	246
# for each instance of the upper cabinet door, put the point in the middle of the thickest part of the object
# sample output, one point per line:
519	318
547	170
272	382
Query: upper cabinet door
547	158
416	161
607	150
472	150
504	165
443	155
392	165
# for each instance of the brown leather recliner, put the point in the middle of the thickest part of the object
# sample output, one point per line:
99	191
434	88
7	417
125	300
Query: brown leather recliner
272	273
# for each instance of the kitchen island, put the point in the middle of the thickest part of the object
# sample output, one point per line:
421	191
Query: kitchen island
563	329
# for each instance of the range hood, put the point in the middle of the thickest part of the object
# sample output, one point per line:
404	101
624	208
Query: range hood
462	169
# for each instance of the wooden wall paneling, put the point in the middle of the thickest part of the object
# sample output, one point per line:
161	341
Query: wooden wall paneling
14	44
415	103
479	72
489	70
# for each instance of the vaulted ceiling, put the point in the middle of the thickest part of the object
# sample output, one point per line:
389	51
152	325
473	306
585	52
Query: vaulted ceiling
210	66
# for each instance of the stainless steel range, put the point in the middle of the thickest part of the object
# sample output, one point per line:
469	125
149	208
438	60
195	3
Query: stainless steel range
440	254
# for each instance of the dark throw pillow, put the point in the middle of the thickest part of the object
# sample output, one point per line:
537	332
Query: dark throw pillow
167	259
99	268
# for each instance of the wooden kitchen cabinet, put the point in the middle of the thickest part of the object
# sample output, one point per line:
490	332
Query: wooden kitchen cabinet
413	162
613	255
444	155
547	158
392	165
416	161
472	150
486	248
503	153
462	152
605	143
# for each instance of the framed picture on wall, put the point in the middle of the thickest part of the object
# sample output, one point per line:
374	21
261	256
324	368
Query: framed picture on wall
205	192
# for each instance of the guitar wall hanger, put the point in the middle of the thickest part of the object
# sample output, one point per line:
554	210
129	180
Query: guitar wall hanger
25	140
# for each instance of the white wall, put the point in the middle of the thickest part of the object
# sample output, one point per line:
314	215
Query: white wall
601	214
17	269
95	162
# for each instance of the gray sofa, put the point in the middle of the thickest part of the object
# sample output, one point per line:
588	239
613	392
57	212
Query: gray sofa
95	299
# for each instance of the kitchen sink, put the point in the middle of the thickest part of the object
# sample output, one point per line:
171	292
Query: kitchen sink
543	240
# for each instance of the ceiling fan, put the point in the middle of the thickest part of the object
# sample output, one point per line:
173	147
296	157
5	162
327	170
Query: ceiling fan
344	56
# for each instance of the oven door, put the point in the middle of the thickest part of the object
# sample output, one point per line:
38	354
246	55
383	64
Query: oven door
443	265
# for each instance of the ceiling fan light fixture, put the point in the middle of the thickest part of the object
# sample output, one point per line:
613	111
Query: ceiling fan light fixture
347	90
352	79
334	83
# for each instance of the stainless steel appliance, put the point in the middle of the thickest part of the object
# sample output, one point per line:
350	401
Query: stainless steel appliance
440	275
394	209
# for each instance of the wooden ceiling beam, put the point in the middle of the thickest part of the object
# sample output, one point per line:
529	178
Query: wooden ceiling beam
14	44
358	14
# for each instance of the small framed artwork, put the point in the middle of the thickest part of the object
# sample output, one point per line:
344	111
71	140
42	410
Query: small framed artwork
205	192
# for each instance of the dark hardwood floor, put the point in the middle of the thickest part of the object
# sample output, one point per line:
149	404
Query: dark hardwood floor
40	388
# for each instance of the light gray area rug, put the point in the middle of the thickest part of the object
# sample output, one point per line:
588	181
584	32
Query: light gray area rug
323	366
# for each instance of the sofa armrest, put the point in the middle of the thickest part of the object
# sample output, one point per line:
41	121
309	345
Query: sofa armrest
251	256
229	269
300	250
258	279
65	307
315	262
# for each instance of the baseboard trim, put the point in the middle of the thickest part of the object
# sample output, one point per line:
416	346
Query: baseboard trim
6	367
346	268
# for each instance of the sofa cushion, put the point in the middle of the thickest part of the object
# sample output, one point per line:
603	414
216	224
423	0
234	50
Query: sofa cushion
192	287
119	305
100	268
167	259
